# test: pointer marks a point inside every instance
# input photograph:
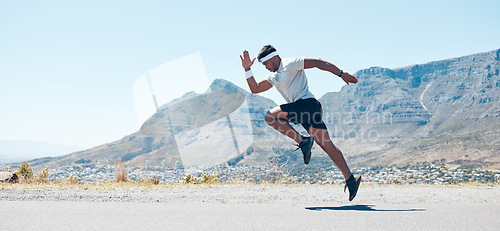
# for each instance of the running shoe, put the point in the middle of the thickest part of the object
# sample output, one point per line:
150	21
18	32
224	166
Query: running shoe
353	185
305	146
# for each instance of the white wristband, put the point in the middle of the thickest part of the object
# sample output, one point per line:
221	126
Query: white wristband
248	74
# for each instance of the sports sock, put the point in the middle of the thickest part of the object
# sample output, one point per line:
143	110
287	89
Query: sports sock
351	179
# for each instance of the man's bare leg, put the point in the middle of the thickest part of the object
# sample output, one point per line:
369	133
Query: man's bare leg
323	140
277	119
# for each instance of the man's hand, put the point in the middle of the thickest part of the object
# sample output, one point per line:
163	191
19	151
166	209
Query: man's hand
246	62
348	78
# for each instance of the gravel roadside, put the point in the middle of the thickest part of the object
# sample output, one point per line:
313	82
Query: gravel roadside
265	194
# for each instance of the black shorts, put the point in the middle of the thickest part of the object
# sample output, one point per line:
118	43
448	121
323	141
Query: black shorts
307	112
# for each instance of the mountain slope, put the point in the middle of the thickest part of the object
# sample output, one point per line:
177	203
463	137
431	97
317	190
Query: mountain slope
159	139
440	111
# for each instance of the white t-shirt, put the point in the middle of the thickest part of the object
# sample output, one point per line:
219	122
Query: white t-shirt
290	79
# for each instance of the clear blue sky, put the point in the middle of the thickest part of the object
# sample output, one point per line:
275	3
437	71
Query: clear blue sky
67	67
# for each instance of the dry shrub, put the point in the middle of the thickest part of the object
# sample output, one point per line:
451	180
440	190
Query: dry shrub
150	180
155	180
120	171
71	180
42	177
278	172
189	179
204	179
209	179
25	173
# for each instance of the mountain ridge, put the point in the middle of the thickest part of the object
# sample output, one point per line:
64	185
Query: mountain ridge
445	110
451	99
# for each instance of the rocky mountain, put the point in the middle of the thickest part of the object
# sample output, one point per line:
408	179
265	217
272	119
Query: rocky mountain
222	125
445	111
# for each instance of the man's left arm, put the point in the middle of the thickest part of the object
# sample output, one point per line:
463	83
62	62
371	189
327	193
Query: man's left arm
330	67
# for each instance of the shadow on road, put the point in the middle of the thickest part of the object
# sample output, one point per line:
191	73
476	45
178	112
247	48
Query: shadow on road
362	208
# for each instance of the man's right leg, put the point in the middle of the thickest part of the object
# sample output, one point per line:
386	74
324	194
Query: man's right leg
323	140
278	120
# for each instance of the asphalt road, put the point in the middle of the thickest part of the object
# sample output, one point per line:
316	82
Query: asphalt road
455	209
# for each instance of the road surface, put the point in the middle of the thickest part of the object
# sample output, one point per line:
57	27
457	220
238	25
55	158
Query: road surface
253	208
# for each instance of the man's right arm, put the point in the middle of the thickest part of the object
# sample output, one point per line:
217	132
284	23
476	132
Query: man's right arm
255	87
259	87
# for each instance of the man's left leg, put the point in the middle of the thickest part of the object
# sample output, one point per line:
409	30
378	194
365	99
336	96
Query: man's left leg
278	119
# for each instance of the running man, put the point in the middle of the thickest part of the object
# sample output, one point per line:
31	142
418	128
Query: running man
289	78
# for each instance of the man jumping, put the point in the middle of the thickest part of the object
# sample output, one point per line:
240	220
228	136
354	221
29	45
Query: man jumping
289	78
